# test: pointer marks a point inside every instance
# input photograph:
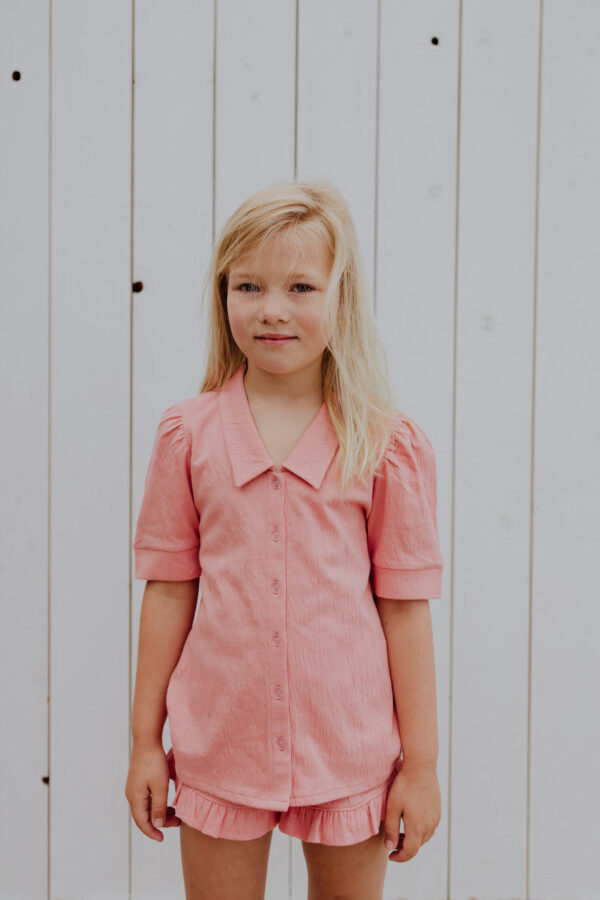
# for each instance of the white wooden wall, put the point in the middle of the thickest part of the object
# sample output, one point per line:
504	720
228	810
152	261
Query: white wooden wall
466	138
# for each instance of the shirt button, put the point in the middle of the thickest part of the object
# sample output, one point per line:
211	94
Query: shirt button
275	534
278	692
276	483
276	638
281	743
276	586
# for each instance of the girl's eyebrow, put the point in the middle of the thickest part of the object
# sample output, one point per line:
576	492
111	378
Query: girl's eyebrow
291	275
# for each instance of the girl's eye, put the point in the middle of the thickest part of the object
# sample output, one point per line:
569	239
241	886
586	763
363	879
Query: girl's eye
249	284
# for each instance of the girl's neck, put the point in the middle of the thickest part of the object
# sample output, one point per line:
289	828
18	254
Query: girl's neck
299	388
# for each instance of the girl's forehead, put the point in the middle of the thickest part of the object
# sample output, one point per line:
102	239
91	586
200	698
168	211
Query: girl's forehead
285	252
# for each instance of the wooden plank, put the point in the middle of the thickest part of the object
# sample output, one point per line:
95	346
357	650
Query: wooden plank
255	86
565	668
24	456
337	105
416	222
493	427
336	140
89	447
173	154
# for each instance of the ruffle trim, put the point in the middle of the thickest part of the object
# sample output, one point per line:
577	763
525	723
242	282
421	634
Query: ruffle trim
336	827
317	824
237	823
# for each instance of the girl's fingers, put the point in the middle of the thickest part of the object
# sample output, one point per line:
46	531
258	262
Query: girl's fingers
158	809
140	813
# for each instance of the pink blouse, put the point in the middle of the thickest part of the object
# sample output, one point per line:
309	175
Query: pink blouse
282	694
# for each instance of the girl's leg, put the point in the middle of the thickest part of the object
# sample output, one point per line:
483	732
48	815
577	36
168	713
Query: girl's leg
354	872
215	868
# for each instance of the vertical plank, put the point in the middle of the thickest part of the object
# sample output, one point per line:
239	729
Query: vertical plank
255	99
255	115
336	139
415	305
89	447
337	105
495	311
172	202
24	448
565	673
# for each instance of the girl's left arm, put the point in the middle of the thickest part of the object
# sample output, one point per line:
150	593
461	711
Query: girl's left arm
414	795
409	637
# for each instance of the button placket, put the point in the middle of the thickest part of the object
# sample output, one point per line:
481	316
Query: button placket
275	600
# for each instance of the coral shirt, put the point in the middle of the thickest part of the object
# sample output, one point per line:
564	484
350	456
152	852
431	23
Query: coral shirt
282	694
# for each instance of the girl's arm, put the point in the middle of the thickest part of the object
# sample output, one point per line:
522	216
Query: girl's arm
167	615
414	796
408	632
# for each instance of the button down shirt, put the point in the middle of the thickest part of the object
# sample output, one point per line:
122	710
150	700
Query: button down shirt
282	694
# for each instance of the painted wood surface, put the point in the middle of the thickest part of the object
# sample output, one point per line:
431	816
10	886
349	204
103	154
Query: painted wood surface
465	137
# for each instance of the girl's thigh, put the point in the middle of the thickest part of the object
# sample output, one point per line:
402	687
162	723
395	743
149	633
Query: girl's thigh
215	868
354	872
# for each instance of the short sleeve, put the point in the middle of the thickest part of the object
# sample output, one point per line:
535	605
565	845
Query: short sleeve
167	538
402	532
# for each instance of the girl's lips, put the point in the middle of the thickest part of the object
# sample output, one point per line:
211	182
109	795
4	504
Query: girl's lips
276	342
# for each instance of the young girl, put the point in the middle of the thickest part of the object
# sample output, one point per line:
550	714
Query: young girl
305	505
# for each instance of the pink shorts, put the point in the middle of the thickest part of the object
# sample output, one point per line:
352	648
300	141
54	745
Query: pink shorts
340	822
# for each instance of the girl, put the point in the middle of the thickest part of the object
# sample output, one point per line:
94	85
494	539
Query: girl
306	505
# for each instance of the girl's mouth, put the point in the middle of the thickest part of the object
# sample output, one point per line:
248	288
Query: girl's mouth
276	342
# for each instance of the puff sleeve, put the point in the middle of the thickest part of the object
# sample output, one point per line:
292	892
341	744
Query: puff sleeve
167	539
402	533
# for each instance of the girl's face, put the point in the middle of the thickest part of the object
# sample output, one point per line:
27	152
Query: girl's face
279	289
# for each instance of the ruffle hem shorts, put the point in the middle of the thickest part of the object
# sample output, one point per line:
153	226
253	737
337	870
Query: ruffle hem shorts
340	822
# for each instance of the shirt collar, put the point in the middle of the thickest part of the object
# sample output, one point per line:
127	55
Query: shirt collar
309	459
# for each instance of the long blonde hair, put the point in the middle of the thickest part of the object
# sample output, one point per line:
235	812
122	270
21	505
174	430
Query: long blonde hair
355	380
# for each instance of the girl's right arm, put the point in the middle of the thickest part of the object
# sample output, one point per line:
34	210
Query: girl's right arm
167	614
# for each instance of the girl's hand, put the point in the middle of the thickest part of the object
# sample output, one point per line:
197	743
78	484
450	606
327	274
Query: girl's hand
147	789
415	797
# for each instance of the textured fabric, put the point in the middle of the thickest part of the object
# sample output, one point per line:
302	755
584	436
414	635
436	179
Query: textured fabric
282	694
338	823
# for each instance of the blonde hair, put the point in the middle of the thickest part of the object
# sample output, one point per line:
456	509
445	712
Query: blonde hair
355	380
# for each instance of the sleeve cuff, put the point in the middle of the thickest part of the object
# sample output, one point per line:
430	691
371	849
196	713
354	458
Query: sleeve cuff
167	565
407	584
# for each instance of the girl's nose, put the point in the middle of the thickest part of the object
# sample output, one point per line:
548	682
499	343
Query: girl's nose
274	302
